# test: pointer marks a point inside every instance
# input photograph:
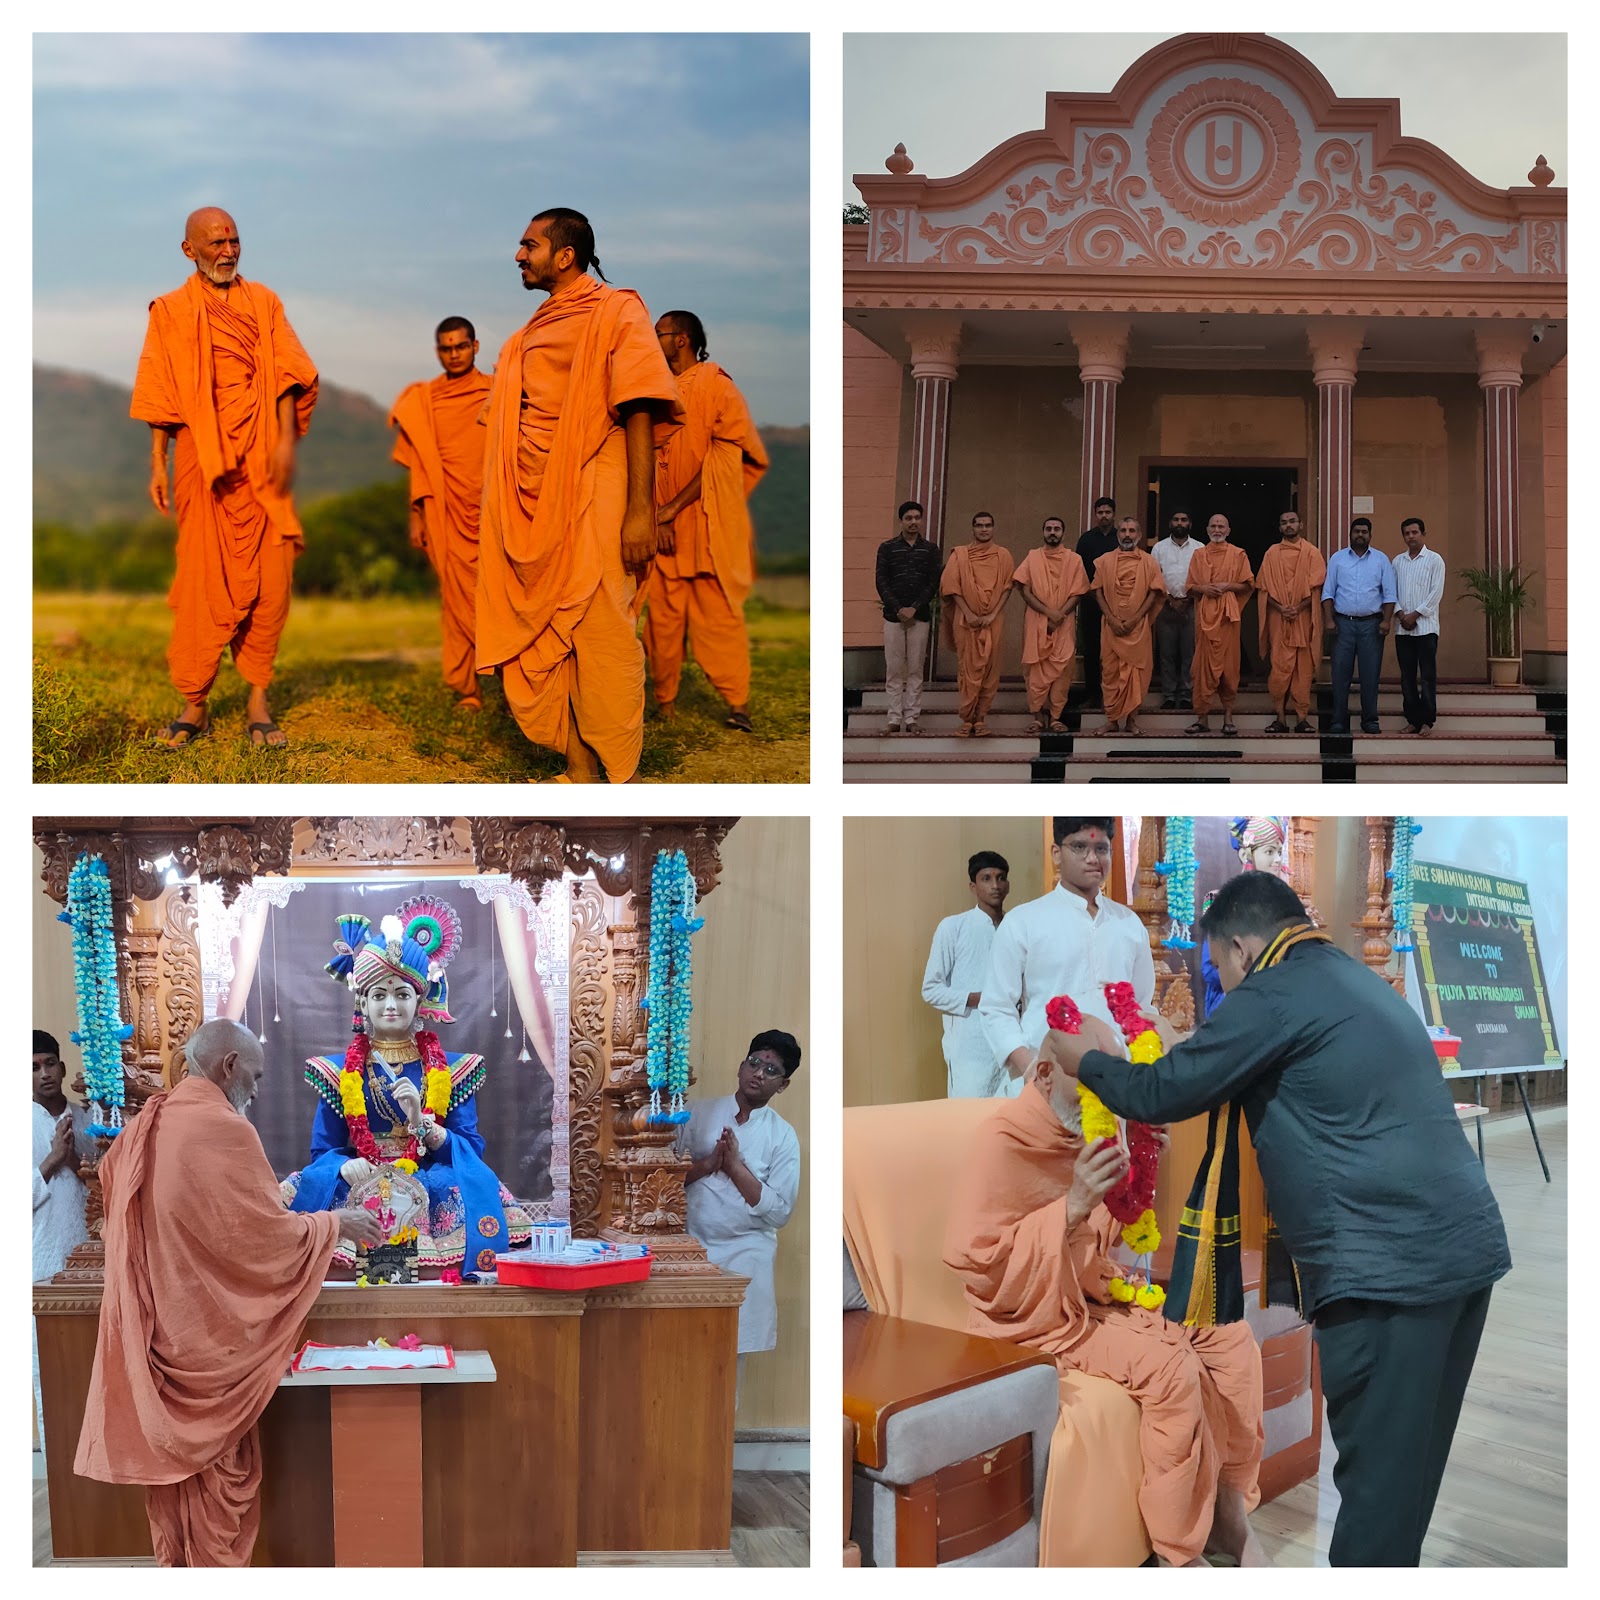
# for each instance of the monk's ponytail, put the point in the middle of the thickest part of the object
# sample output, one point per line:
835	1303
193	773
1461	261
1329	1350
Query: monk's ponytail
594	267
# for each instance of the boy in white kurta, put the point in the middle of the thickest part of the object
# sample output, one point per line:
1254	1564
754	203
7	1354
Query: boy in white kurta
58	1193
953	983
744	1177
1071	941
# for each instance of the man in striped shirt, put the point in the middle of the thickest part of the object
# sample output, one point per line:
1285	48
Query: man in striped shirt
1419	587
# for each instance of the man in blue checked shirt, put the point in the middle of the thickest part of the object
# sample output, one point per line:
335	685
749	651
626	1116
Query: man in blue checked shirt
1358	601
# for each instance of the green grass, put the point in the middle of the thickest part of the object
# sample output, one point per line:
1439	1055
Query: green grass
359	694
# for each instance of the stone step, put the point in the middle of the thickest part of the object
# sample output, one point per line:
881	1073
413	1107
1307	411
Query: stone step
1464	697
1165	724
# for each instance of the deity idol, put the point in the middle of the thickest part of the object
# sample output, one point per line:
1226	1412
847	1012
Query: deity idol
396	1099
1260	842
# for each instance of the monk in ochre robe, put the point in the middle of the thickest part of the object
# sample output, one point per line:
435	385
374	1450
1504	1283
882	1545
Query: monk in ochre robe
208	1282
976	583
1220	582
1128	582
1051	581
1290	580
569	505
706	472
1030	1238
223	373
441	439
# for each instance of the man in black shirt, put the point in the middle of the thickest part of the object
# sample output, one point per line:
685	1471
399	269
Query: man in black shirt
1092	544
908	579
1395	1235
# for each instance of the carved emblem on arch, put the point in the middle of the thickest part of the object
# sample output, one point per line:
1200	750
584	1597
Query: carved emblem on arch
1198	156
533	854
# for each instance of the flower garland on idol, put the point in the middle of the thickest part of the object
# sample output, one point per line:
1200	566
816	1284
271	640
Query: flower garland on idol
667	998
1178	870
101	1030
1405	830
1132	1199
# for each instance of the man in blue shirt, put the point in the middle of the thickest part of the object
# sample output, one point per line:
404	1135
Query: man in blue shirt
1358	600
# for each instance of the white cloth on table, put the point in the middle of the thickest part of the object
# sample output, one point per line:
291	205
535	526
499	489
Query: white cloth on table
738	1237
1053	946
958	963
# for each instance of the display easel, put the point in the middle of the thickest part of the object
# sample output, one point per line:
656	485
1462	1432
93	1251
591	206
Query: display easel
1478	1076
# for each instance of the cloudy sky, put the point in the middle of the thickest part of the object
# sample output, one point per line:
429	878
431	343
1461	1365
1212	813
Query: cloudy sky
1493	101
381	182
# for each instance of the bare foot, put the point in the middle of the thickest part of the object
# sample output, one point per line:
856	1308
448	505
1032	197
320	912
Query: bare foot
468	705
1231	1532
1104	729
667	710
583	765
193	716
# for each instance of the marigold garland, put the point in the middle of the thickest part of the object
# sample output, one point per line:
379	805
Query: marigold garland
1131	1199
353	1097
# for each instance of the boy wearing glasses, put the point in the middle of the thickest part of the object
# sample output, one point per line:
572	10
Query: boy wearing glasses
1070	941
743	1178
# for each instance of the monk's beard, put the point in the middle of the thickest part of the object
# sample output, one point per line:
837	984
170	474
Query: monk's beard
221	276
239	1100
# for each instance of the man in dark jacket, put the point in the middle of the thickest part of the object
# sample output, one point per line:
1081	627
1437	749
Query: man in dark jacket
1395	1235
907	576
1093	543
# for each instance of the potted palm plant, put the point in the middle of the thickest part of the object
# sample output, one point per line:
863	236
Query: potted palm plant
1503	595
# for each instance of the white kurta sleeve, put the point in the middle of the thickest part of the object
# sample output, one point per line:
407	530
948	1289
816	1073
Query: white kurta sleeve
1143	976
1000	1006
41	1189
937	989
1432	590
781	1184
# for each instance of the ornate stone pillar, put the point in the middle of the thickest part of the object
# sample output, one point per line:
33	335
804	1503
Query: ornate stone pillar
935	349
1500	377
1377	922
1102	357
1335	349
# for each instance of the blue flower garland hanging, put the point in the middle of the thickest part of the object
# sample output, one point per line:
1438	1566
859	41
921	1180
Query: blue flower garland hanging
1399	875
667	998
1178	870
101	1029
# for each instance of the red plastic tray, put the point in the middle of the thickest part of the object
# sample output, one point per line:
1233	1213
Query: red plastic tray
590	1275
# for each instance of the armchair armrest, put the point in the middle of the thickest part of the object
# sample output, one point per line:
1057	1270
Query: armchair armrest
891	1365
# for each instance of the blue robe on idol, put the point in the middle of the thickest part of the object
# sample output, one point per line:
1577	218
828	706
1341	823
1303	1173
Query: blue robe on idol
456	1168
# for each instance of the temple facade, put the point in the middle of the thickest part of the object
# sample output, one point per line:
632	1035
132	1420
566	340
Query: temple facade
1219	287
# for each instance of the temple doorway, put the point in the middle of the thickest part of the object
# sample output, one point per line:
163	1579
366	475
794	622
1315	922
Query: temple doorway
1252	495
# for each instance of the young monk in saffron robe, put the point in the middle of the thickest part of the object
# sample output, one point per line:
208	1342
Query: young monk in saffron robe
223	373
441	438
208	1282
1219	579
976	582
1030	1238
1130	589
1051	580
1290	580
706	472
569	505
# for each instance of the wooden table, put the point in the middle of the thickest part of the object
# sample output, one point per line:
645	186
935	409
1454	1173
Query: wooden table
609	1426
375	1417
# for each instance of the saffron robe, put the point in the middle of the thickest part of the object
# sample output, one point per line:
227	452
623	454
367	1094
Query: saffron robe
208	1281
1055	577
440	439
1292	573
1032	1280
1123	581
553	599
214	367
701	585
981	575
1216	625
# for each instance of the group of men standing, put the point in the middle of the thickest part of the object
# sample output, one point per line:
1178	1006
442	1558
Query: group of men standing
1179	606
602	470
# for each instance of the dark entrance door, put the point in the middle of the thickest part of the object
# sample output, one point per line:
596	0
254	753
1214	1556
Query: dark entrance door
1251	497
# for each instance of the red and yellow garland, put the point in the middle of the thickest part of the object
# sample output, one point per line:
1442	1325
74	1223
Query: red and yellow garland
352	1095
1131	1201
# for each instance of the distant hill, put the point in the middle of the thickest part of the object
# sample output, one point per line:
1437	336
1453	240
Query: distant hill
91	461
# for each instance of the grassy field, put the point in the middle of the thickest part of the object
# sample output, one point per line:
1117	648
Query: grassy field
359	694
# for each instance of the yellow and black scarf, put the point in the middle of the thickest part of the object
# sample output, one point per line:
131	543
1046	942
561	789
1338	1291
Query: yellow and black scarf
1207	1285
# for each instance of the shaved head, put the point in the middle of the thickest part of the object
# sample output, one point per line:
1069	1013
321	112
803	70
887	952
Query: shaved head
229	1055
211	241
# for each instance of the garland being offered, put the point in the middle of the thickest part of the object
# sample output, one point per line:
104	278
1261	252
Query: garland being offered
1131	1201
1405	830
667	999
353	1096
1178	870
101	1029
